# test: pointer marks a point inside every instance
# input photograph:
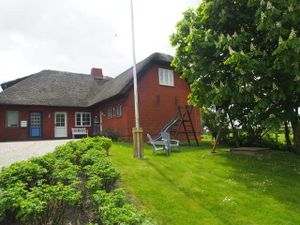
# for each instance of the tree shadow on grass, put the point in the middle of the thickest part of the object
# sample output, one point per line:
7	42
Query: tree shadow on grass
276	174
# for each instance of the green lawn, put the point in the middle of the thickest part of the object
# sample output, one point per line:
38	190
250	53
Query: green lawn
194	186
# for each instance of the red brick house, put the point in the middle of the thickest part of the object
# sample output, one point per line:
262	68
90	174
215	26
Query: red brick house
48	104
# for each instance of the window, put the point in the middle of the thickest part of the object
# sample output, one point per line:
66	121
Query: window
83	119
12	118
166	77
60	120
110	112
119	111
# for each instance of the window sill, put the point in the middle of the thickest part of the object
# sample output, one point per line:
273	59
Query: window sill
165	85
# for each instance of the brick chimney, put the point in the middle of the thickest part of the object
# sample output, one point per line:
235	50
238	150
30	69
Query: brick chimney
97	73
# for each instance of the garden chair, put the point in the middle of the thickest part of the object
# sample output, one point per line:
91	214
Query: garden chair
171	143
158	145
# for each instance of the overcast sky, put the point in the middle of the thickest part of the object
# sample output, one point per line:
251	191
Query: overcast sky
76	35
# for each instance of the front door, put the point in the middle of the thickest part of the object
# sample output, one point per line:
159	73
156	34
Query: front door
35	124
60	130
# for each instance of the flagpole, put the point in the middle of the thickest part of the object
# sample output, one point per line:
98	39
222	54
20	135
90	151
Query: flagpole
137	131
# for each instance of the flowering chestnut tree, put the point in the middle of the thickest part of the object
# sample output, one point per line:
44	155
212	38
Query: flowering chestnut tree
243	57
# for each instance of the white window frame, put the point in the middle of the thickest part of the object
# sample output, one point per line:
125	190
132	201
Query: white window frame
81	119
119	110
109	112
18	119
166	77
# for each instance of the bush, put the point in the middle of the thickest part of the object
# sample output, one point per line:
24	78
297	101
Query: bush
113	208
40	191
101	175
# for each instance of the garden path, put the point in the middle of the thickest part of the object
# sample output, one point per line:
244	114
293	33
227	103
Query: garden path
11	152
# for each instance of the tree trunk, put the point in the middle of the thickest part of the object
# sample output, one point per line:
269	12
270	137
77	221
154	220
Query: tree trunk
216	140
235	133
296	132
287	133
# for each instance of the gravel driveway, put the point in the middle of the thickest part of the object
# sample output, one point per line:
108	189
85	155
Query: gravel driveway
11	152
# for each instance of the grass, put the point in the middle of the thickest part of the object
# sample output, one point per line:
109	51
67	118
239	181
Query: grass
194	186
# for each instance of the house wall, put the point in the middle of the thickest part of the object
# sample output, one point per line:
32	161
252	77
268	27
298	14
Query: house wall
157	105
22	133
116	124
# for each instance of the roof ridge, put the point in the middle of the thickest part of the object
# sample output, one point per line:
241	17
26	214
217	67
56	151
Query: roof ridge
61	71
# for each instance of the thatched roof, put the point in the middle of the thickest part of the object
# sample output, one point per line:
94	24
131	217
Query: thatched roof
56	88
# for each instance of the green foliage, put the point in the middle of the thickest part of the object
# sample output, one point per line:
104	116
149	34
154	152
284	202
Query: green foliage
26	172
101	171
114	209
41	190
242	57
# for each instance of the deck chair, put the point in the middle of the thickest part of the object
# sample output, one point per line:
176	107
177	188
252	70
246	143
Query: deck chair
158	145
171	143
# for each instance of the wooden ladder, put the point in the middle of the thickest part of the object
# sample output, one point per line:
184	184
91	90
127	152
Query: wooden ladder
185	122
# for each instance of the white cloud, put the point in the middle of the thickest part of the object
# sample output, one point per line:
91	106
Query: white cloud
75	35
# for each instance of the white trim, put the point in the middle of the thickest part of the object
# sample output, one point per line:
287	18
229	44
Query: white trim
110	112
18	119
81	121
166	77
59	129
119	110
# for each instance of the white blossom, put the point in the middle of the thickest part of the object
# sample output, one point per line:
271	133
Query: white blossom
262	16
252	47
297	78
278	24
269	5
291	8
231	51
228	37
280	40
275	87
257	99
293	33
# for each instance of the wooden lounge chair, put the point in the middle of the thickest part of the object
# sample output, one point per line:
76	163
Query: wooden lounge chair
158	145
171	143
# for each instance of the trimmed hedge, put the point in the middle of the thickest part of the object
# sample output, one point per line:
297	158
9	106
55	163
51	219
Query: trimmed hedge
77	176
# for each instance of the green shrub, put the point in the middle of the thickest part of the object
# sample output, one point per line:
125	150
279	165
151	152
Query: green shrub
104	170
39	191
65	172
26	172
114	209
92	156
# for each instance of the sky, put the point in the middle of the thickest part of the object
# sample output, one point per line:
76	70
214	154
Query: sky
76	35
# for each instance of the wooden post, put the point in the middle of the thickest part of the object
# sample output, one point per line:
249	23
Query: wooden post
138	150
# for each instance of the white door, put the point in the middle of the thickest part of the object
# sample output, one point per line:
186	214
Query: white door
60	125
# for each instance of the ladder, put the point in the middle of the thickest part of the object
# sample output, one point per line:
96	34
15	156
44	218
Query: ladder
185	124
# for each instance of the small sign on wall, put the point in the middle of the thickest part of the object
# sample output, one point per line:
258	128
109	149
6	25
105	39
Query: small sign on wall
23	123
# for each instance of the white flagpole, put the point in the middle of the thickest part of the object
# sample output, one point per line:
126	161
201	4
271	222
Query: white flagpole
136	104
